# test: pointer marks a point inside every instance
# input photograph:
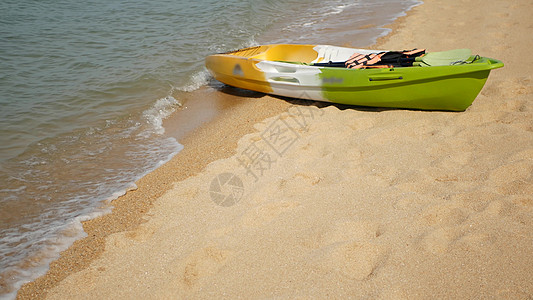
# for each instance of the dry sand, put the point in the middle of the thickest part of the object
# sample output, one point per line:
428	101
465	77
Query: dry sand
336	202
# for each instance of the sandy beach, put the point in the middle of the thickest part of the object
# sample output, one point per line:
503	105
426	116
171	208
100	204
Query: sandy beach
356	202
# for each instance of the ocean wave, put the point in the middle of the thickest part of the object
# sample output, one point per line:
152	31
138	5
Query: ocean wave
155	115
196	81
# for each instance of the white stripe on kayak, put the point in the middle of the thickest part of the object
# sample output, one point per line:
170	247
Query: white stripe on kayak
293	80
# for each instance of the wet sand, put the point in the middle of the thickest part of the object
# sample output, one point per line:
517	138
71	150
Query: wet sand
358	203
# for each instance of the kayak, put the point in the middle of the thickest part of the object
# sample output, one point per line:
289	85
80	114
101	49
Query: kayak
448	80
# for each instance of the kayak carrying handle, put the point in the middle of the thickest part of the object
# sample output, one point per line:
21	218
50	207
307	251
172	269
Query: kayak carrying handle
285	79
384	77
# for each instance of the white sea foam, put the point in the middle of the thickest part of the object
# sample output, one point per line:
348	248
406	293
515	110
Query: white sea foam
161	109
197	80
335	10
37	264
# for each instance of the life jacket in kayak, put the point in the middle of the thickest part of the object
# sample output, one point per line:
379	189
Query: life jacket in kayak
388	59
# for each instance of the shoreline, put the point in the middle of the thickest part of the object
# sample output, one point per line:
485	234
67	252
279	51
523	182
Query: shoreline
130	209
203	146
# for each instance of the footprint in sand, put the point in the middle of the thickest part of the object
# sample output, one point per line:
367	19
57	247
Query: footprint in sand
350	248
351	231
141	234
202	264
515	86
454	167
474	242
523	155
441	225
438	240
411	201
264	214
475	201
361	123
354	260
442	215
513	178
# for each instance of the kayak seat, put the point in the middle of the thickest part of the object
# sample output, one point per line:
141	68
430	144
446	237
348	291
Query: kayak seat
326	54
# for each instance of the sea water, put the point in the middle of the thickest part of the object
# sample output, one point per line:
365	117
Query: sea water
85	87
